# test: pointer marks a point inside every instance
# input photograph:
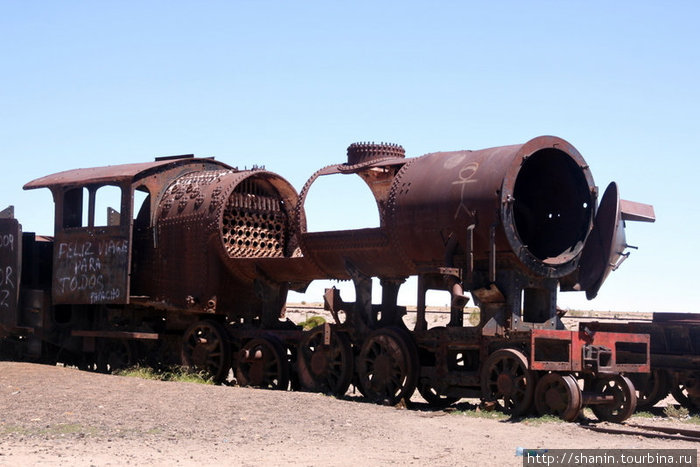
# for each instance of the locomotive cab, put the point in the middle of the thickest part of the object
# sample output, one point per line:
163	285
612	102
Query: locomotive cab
92	251
92	257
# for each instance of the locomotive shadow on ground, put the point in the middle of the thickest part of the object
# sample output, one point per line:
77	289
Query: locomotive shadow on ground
418	406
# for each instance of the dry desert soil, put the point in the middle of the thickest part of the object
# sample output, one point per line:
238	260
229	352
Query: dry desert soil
62	416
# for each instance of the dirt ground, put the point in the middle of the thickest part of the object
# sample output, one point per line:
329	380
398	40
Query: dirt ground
62	416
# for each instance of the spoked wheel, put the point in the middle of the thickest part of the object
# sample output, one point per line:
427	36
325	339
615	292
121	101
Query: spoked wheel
651	387
205	347
262	363
559	395
388	366
113	355
325	368
624	399
433	397
685	389
505	378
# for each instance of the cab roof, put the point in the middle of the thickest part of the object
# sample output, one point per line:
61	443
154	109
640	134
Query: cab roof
118	174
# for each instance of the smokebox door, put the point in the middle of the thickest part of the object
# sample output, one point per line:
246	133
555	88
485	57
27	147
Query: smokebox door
605	244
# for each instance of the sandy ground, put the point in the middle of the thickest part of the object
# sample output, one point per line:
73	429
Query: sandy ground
62	416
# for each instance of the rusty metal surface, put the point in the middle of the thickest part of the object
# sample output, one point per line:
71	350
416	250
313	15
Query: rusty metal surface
10	271
363	153
91	266
114	174
674	355
574	342
118	334
605	248
532	203
668	336
633	211
680	318
203	267
522	190
542	216
209	225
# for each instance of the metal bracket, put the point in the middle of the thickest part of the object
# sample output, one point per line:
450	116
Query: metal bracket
326	334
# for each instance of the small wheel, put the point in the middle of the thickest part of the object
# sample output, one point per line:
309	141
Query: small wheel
387	366
685	388
651	387
505	378
205	347
434	398
560	395
325	368
113	355
262	363
624	399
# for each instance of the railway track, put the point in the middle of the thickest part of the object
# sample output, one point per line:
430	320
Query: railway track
647	431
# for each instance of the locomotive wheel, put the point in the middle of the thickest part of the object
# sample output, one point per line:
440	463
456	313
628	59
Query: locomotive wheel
387	366
113	355
205	347
322	368
505	378
624	395
559	395
683	389
433	398
651	388
262	363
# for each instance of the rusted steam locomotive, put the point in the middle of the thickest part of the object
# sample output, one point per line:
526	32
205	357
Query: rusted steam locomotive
199	273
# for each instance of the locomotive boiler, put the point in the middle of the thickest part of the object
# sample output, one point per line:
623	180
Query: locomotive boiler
200	271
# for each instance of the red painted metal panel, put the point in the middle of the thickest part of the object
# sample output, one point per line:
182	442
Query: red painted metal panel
577	341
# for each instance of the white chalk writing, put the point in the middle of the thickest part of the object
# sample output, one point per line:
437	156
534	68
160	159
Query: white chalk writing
74	250
112	248
105	295
466	176
81	283
7	279
9	267
7	241
88	267
7	283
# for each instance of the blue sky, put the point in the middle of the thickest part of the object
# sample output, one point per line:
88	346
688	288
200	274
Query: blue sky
291	84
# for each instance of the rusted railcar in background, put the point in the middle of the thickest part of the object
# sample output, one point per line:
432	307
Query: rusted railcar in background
675	357
199	274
